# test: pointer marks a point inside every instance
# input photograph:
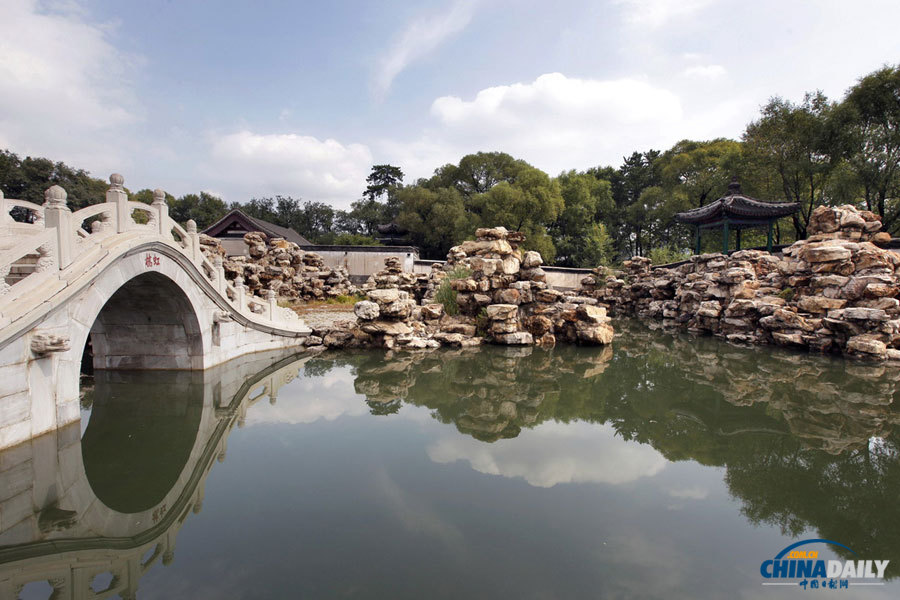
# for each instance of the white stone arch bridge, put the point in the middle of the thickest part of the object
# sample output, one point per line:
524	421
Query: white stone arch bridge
139	289
64	531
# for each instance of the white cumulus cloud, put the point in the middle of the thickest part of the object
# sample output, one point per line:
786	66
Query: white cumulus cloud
254	164
64	89
705	71
554	122
555	453
421	37
656	13
307	400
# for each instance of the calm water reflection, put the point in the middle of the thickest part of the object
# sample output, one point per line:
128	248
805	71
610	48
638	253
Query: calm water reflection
665	467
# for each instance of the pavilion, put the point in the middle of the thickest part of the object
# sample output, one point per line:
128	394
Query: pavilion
736	211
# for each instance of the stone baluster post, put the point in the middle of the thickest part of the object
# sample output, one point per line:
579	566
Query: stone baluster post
162	213
133	570
196	255
270	296
57	215
220	274
239	293
116	194
4	210
273	391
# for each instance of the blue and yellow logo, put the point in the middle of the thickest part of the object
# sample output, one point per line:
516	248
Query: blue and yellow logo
812	572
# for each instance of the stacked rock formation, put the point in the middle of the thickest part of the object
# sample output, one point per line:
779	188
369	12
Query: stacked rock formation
511	288
501	297
833	292
394	277
386	316
279	265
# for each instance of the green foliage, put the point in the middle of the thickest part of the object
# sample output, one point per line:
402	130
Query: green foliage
28	178
482	322
459	272
664	256
204	208
795	144
382	180
345	299
815	152
354	239
446	296
868	128
787	294
579	233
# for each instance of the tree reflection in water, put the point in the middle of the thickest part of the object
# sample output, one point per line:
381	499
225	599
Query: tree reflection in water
808	443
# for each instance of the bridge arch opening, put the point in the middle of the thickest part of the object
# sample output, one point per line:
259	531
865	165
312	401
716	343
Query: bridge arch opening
148	324
140	435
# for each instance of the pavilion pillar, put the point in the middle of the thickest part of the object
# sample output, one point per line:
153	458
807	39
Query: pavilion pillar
738	241
697	241
769	237
725	236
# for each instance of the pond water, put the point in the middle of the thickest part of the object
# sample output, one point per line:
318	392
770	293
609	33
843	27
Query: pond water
665	466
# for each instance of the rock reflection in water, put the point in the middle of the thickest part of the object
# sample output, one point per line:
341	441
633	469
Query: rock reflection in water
809	443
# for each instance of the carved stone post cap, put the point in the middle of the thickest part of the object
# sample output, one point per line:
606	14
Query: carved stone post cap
270	294
217	262
55	196
1	194
238	281
116	181
191	226
159	196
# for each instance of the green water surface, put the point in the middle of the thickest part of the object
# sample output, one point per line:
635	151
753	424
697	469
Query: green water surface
665	466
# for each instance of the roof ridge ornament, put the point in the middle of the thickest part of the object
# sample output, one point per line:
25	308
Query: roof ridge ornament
734	187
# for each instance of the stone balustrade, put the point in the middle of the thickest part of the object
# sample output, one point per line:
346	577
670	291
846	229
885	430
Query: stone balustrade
58	244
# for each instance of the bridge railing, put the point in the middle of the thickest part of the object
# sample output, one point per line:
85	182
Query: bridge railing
53	243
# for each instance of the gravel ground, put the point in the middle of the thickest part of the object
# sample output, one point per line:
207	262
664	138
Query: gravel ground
325	316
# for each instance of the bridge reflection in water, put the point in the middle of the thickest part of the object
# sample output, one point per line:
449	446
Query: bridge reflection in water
806	444
85	516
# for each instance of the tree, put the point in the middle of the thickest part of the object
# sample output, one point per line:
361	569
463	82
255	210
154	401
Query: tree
204	208
579	234
796	142
638	172
382	180
437	219
477	173
700	170
28	178
869	121
530	203
364	216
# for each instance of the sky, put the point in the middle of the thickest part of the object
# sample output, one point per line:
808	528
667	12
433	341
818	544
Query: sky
253	99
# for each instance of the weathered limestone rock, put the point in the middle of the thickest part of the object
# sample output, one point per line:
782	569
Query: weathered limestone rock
818	294
366	310
276	264
501	295
432	311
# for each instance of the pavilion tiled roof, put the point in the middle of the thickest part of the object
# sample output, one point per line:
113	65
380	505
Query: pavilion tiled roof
737	207
253	224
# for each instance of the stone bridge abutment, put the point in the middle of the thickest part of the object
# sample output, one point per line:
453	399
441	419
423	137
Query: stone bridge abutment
142	295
